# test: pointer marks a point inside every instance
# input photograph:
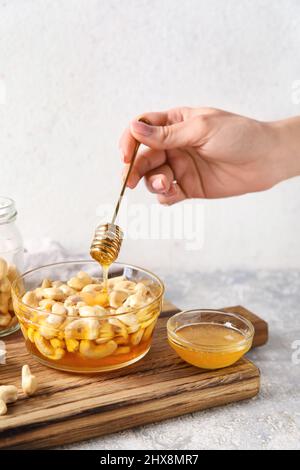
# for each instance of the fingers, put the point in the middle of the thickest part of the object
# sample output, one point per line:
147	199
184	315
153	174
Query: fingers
175	194
176	128
146	161
127	144
128	141
160	179
159	176
180	134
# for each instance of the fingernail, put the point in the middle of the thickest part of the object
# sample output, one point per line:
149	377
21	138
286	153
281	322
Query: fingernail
172	191
141	128
158	184
122	156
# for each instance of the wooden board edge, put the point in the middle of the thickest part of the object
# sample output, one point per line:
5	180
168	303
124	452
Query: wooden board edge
142	414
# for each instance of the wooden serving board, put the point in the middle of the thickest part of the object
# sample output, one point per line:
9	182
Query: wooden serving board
69	407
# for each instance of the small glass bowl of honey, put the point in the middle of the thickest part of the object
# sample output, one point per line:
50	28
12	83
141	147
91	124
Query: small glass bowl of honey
210	339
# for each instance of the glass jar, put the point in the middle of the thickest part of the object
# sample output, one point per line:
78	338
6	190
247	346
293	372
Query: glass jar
11	263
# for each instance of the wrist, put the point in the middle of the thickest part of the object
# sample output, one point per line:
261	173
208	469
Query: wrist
286	155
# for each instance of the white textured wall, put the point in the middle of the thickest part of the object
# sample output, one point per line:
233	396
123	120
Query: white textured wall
72	73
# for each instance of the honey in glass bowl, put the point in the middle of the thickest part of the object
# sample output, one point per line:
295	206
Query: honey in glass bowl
69	323
210	339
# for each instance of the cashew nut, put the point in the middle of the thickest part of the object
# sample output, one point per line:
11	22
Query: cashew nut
48	328
29	381
133	328
5	319
128	286
72	311
151	320
3	408
30	334
136	338
3	268
120	340
46	283
5	285
89	349
12	272
149	331
129	319
117	297
53	293
72	300
46	304
59	309
3	304
136	300
122	350
145	314
95	311
30	299
83	328
99	298
92	288
46	349
67	290
8	394
106	333
141	289
119	327
80	281
57	343
39	292
72	345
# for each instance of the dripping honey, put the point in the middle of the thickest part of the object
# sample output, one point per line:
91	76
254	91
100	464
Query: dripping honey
105	263
210	346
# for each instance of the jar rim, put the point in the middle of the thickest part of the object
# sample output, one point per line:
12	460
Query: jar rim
159	282
8	210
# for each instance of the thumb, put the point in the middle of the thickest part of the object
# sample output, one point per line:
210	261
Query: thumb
180	134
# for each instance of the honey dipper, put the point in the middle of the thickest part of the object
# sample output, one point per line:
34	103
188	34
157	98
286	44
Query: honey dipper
108	237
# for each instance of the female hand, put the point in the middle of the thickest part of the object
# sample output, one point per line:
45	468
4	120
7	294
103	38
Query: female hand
210	153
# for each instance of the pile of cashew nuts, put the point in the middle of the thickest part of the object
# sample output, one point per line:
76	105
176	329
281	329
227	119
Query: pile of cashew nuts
8	273
78	317
9	393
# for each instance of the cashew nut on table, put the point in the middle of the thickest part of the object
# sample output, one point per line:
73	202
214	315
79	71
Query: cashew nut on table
8	394
29	381
8	273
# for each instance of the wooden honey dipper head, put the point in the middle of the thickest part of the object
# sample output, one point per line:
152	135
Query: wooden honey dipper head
106	243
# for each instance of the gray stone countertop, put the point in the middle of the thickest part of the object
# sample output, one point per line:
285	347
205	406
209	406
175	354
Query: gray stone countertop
269	421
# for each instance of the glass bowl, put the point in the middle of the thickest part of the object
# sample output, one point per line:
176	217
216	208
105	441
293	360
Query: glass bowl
209	339
90	343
